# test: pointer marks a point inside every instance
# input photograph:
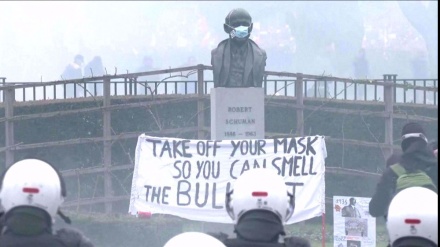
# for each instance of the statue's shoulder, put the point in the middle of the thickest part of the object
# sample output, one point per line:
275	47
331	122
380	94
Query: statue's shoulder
220	45
257	48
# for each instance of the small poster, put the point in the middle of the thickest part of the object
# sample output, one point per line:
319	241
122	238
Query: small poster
353	226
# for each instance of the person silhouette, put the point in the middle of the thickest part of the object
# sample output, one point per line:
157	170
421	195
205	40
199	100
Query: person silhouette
361	65
190	87
73	71
141	86
361	72
94	68
416	156
351	210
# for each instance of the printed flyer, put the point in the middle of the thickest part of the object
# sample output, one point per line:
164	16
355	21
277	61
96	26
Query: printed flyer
353	226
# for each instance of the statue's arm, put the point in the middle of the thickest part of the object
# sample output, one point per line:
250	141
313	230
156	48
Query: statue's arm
215	69
212	57
264	58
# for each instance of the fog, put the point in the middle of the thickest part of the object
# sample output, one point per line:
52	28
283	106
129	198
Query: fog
39	39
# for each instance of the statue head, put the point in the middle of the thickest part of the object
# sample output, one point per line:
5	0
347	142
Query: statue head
238	24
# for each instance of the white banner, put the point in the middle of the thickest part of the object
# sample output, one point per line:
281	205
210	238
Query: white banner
189	178
352	223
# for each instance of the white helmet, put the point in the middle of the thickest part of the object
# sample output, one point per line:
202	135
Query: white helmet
32	182
413	218
260	189
193	239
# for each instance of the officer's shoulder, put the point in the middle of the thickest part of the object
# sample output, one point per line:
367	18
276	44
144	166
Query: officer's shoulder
219	235
296	242
73	237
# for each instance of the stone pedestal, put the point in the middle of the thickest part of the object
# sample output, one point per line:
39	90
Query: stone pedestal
237	113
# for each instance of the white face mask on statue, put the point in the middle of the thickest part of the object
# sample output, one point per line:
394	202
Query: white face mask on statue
239	32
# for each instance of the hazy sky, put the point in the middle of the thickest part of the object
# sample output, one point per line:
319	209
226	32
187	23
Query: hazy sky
38	39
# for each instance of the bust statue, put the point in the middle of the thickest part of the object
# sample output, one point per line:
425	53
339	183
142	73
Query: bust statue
238	61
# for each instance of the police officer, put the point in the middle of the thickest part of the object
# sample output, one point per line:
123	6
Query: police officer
193	239
31	194
259	205
413	218
416	155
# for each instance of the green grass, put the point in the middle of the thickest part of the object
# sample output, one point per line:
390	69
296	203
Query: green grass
312	231
107	230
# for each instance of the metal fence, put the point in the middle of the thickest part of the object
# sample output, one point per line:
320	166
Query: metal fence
412	91
386	91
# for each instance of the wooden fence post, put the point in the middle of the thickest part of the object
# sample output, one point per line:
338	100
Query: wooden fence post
388	96
8	100
107	159
299	94
200	103
3	79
